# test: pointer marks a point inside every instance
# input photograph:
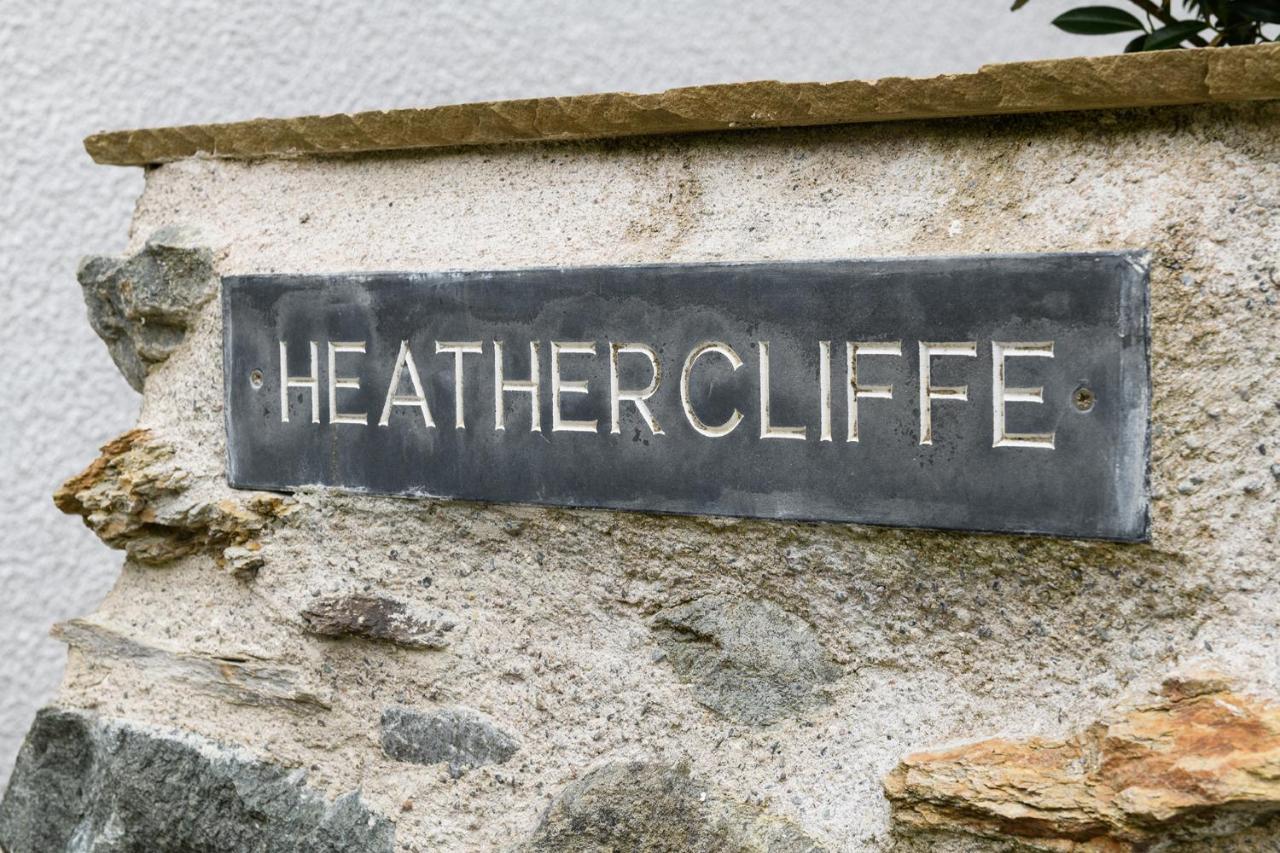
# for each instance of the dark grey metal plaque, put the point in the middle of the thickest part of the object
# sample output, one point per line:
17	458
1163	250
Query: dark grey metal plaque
993	393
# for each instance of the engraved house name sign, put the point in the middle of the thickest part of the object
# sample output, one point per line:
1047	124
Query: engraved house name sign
992	393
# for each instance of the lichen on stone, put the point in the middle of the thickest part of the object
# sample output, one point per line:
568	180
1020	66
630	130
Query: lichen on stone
1201	761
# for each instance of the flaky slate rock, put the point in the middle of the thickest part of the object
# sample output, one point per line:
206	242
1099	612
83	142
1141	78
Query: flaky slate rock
142	305
459	737
84	783
1200	762
232	678
747	659
640	806
378	617
137	498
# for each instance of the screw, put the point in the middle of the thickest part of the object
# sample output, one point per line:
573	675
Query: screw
1083	399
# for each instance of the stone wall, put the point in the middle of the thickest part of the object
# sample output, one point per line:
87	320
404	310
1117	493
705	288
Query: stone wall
81	66
412	675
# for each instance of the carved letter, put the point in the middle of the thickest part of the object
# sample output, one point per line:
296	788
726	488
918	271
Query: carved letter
854	391
617	395
529	387
310	382
347	382
558	387
930	392
694	421
1001	395
404	361
824	389
458	348
767	430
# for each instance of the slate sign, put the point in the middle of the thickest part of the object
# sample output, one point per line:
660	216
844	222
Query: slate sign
990	393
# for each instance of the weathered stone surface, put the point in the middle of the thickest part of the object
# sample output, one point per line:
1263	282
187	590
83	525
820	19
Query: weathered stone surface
244	561
82	783
377	617
658	807
142	305
938	634
747	658
1129	80
235	679
1202	761
136	499
458	736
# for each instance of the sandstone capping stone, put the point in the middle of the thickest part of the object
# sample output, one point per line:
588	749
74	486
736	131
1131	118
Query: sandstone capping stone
658	807
83	783
460	737
136	499
1199	762
376	617
1160	78
243	681
748	659
1244	74
142	305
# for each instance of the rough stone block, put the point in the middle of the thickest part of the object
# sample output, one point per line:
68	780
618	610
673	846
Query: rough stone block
377	617
1199	762
142	305
137	498
84	783
248	682
747	658
459	736
658	807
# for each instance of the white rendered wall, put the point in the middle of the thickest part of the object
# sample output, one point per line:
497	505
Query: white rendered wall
72	68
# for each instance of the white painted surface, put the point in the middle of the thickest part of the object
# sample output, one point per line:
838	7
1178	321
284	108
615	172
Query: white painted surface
72	68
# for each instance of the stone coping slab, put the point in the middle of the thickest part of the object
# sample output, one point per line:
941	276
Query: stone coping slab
1162	78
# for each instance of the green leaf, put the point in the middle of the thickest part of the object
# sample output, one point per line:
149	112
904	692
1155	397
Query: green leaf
1017	4
1136	45
1266	11
1172	35
1097	21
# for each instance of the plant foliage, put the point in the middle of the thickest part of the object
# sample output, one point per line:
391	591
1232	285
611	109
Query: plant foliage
1201	23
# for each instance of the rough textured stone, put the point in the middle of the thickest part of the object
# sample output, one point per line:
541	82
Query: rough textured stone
940	637
458	736
1130	80
142	305
657	807
377	617
1201	761
244	561
136	497
234	679
747	658
83	783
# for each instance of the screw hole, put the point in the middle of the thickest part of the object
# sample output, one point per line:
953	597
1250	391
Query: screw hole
255	379
1083	399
